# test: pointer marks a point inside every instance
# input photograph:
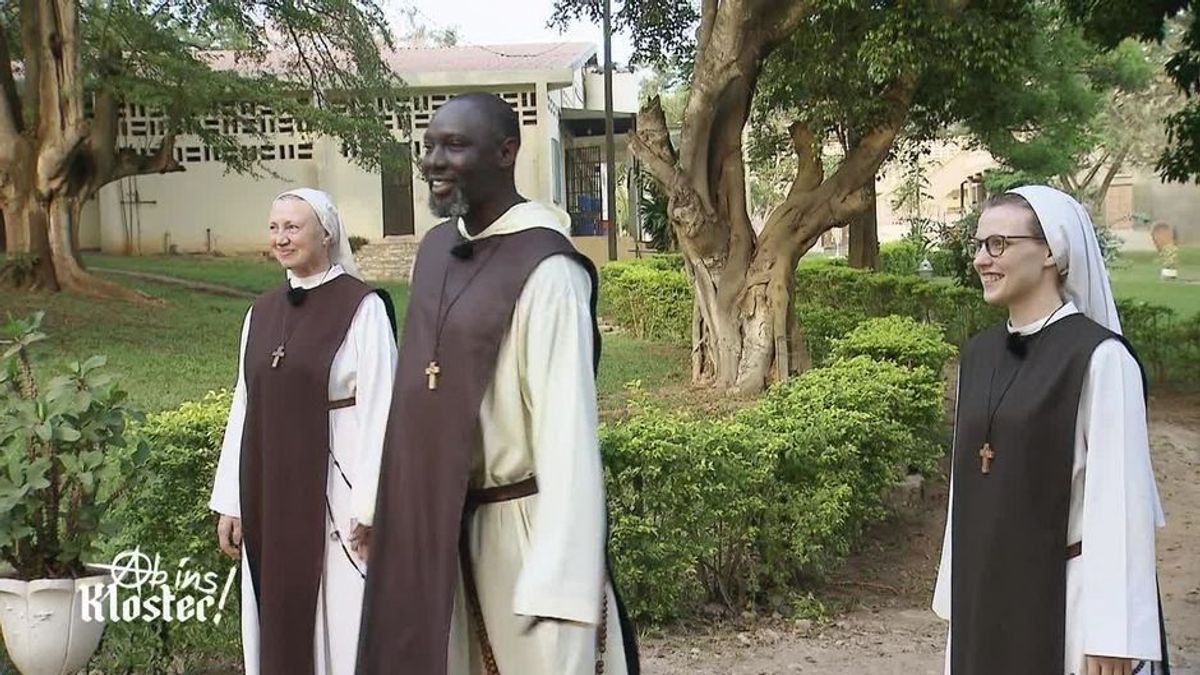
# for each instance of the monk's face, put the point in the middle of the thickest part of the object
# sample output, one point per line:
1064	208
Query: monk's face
1024	264
298	241
467	160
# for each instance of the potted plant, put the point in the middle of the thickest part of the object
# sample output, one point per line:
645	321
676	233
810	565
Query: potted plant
1163	236
64	458
1168	257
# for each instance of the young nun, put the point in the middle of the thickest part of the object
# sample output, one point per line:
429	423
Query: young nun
1048	564
309	412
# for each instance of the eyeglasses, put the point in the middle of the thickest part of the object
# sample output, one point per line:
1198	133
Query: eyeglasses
997	243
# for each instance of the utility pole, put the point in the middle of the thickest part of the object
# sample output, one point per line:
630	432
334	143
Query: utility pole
609	143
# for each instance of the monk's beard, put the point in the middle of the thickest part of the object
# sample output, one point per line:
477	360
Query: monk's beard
453	205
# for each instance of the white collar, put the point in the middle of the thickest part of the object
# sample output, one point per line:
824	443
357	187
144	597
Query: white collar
523	216
1054	317
317	279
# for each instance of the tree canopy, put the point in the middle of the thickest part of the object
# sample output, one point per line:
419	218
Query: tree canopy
68	68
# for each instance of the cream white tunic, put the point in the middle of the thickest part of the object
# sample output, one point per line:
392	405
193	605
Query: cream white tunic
363	367
541	556
1112	597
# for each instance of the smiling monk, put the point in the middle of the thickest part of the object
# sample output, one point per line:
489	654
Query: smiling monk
487	538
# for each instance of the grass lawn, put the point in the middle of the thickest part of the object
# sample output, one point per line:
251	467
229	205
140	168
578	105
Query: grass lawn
174	353
1136	276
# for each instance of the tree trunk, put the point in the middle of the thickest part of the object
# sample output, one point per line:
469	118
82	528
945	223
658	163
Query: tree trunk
744	345
43	234
67	270
29	265
864	234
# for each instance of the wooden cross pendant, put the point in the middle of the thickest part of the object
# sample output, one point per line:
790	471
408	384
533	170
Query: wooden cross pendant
432	371
277	355
986	455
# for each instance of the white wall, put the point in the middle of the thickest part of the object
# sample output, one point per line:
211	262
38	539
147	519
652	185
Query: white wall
357	192
184	205
89	227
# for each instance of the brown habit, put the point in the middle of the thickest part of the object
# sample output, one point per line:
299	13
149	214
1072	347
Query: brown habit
432	436
284	461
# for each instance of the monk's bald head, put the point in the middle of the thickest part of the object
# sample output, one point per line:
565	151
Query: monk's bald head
487	113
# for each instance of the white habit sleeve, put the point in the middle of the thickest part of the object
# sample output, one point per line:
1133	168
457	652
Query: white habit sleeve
941	590
371	335
1120	511
226	493
563	573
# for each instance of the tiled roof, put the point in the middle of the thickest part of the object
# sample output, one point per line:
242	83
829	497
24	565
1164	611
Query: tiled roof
536	56
413	60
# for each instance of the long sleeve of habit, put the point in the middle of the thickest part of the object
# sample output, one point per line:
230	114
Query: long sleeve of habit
1121	508
226	498
376	349
941	590
562	573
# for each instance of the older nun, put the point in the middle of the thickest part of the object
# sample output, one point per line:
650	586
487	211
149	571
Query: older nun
303	442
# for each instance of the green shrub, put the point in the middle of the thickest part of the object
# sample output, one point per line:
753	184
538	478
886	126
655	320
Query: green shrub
357	242
685	497
898	339
821	325
960	312
168	515
1167	345
743	509
668	262
650	303
653	301
944	262
899	257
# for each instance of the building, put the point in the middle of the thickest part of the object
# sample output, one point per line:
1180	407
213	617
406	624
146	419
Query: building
556	88
1136	198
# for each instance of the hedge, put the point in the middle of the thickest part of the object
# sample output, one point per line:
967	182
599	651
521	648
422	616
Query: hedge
653	301
167	514
745	509
735	509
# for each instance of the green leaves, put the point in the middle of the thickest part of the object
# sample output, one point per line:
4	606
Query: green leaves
739	509
62	452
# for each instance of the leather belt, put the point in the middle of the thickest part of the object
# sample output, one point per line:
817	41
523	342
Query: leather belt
1075	550
342	403
502	493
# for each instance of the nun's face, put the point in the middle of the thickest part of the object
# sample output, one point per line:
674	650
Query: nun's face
298	241
1024	264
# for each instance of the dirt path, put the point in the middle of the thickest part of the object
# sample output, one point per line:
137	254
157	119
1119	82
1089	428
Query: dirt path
886	628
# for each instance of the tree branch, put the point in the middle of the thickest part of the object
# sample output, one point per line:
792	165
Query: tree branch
651	143
708	17
810	171
1111	174
1068	181
130	163
102	141
852	204
809	174
55	157
785	19
1095	170
10	103
30	48
868	153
